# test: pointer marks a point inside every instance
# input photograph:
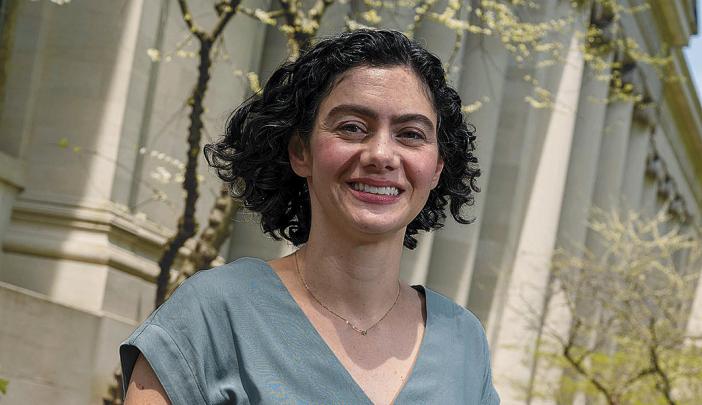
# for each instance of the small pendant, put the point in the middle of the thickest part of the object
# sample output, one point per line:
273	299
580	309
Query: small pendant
364	332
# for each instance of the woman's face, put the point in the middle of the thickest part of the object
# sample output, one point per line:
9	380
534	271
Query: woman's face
373	156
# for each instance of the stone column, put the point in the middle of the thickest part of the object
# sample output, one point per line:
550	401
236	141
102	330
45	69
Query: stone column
414	265
642	127
682	219
606	196
438	39
482	80
526	289
577	200
520	135
613	154
655	173
582	168
694	323
57	243
12	173
649	198
635	170
505	191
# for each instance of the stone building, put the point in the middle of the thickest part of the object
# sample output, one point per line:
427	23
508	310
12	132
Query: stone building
92	130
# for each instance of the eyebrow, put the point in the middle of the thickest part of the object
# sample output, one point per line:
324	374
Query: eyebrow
367	112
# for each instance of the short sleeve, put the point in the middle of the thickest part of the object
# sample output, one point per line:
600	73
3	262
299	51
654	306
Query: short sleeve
166	339
489	395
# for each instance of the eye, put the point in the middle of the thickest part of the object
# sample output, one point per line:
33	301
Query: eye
412	135
352	128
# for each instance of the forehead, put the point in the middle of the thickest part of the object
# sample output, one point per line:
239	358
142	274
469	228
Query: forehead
392	90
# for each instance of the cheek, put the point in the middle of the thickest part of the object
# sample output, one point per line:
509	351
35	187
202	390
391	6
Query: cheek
331	157
423	170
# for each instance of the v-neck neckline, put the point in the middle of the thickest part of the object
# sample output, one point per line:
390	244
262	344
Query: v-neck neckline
334	359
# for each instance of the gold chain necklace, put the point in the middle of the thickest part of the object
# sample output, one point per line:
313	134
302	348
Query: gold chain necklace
354	327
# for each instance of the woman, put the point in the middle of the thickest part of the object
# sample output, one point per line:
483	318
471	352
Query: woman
347	153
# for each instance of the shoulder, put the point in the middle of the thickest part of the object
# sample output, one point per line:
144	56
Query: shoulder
214	290
446	309
462	335
457	327
243	269
192	333
233	277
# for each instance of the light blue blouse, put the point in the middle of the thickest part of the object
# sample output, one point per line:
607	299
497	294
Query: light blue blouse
235	335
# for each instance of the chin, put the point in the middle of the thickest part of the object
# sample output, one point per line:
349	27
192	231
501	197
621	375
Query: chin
380	225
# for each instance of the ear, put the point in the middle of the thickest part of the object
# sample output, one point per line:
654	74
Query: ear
300	159
437	172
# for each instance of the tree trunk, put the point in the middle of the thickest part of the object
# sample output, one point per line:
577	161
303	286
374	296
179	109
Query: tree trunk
187	224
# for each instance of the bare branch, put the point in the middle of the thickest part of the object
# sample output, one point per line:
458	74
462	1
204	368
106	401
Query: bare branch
300	26
665	387
187	224
229	11
317	10
628	334
188	18
421	11
580	369
256	14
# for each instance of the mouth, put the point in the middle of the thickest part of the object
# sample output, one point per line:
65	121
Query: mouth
377	190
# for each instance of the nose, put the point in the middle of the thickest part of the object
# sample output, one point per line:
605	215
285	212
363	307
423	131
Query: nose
380	152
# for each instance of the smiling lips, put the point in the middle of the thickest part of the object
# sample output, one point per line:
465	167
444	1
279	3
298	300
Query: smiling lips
366	188
375	194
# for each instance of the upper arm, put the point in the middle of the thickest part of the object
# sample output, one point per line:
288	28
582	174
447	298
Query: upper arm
490	395
144	387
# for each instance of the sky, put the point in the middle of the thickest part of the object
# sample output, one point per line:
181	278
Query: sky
693	52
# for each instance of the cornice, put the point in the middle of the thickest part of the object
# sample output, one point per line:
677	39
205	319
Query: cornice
676	20
89	215
128	243
12	171
684	104
48	301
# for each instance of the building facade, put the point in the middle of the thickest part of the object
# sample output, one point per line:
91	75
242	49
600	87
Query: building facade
92	139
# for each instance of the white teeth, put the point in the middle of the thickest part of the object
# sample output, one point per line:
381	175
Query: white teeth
375	190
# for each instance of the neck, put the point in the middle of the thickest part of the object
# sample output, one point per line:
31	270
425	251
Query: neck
359	281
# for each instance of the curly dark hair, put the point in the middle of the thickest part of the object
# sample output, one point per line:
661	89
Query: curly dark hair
252	157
